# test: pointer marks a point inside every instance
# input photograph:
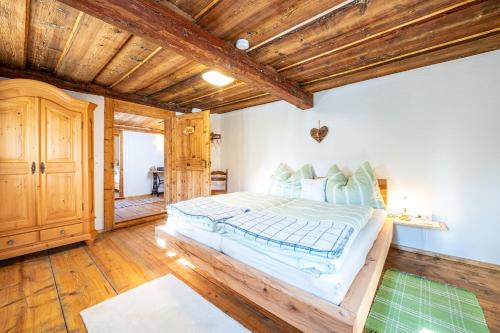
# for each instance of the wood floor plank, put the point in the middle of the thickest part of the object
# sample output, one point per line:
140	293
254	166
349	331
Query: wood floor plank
116	264
79	282
30	303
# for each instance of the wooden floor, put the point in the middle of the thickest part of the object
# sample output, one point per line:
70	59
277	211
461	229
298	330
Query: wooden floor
140	211
45	292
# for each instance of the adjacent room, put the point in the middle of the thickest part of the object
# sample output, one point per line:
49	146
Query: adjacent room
138	167
249	166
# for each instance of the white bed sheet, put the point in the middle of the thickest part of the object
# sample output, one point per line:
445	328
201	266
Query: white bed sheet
176	224
331	287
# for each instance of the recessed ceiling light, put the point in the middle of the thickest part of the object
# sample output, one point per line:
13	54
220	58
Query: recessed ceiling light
242	44
216	78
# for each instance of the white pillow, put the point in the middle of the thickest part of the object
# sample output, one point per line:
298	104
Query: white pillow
313	189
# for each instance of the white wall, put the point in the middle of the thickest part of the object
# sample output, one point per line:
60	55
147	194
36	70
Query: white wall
141	151
432	132
215	149
98	155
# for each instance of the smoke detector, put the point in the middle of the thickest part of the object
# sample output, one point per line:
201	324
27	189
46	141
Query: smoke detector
242	44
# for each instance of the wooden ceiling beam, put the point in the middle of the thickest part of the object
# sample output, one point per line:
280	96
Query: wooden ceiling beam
168	28
89	88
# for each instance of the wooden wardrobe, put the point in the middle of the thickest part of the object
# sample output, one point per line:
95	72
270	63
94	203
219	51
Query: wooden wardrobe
46	168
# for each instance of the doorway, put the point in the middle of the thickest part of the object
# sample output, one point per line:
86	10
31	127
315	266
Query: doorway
137	158
184	173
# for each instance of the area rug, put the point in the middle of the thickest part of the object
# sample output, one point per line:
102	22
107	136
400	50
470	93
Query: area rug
123	203
163	305
410	303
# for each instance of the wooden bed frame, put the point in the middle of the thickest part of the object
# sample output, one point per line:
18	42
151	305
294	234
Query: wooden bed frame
297	307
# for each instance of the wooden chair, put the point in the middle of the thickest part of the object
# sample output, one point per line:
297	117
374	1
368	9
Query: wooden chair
219	176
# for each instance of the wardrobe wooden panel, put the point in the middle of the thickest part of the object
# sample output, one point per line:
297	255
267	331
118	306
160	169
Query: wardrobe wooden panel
17	154
61	153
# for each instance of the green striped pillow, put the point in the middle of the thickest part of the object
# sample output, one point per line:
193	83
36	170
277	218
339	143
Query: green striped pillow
286	183
359	189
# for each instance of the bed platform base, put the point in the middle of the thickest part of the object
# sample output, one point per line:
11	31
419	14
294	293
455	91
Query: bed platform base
297	307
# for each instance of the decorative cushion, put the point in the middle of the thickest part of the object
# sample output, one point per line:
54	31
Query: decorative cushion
286	183
313	189
359	189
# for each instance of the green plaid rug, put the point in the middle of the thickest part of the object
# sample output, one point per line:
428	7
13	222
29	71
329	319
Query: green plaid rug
410	303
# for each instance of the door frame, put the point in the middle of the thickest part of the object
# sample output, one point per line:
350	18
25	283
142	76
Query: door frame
110	107
119	133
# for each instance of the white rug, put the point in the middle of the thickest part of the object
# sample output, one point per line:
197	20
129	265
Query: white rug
162	305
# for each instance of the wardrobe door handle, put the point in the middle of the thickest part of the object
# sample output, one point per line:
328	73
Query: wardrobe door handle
42	167
33	168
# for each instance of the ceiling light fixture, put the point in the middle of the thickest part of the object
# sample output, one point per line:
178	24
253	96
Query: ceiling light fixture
242	44
216	78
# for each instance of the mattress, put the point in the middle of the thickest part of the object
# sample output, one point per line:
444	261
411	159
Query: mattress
331	287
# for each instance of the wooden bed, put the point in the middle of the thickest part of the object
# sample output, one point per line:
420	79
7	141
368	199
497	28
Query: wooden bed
301	309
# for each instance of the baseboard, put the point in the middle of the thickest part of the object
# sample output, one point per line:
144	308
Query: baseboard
448	257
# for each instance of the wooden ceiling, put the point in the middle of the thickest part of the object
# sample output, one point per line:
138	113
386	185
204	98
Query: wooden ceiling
298	47
132	122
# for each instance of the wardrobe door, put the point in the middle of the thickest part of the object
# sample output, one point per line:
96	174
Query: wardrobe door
18	149
60	163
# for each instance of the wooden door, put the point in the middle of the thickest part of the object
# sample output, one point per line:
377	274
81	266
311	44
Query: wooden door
191	151
60	163
18	152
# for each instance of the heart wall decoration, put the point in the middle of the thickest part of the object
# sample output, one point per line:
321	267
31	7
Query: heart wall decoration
319	133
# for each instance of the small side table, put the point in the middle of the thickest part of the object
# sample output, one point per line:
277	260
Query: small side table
416	222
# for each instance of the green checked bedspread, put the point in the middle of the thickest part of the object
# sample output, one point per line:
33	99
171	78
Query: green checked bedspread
408	303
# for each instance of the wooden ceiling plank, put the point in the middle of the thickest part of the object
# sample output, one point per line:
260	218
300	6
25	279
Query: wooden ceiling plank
189	87
227	96
470	21
261	20
206	9
462	49
136	67
14	24
159	65
51	23
69	41
133	54
238	105
168	28
90	88
347	27
190	7
93	45
224	89
407	55
164	82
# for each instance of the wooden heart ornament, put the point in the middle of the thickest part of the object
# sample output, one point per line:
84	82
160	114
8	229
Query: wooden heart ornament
319	133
